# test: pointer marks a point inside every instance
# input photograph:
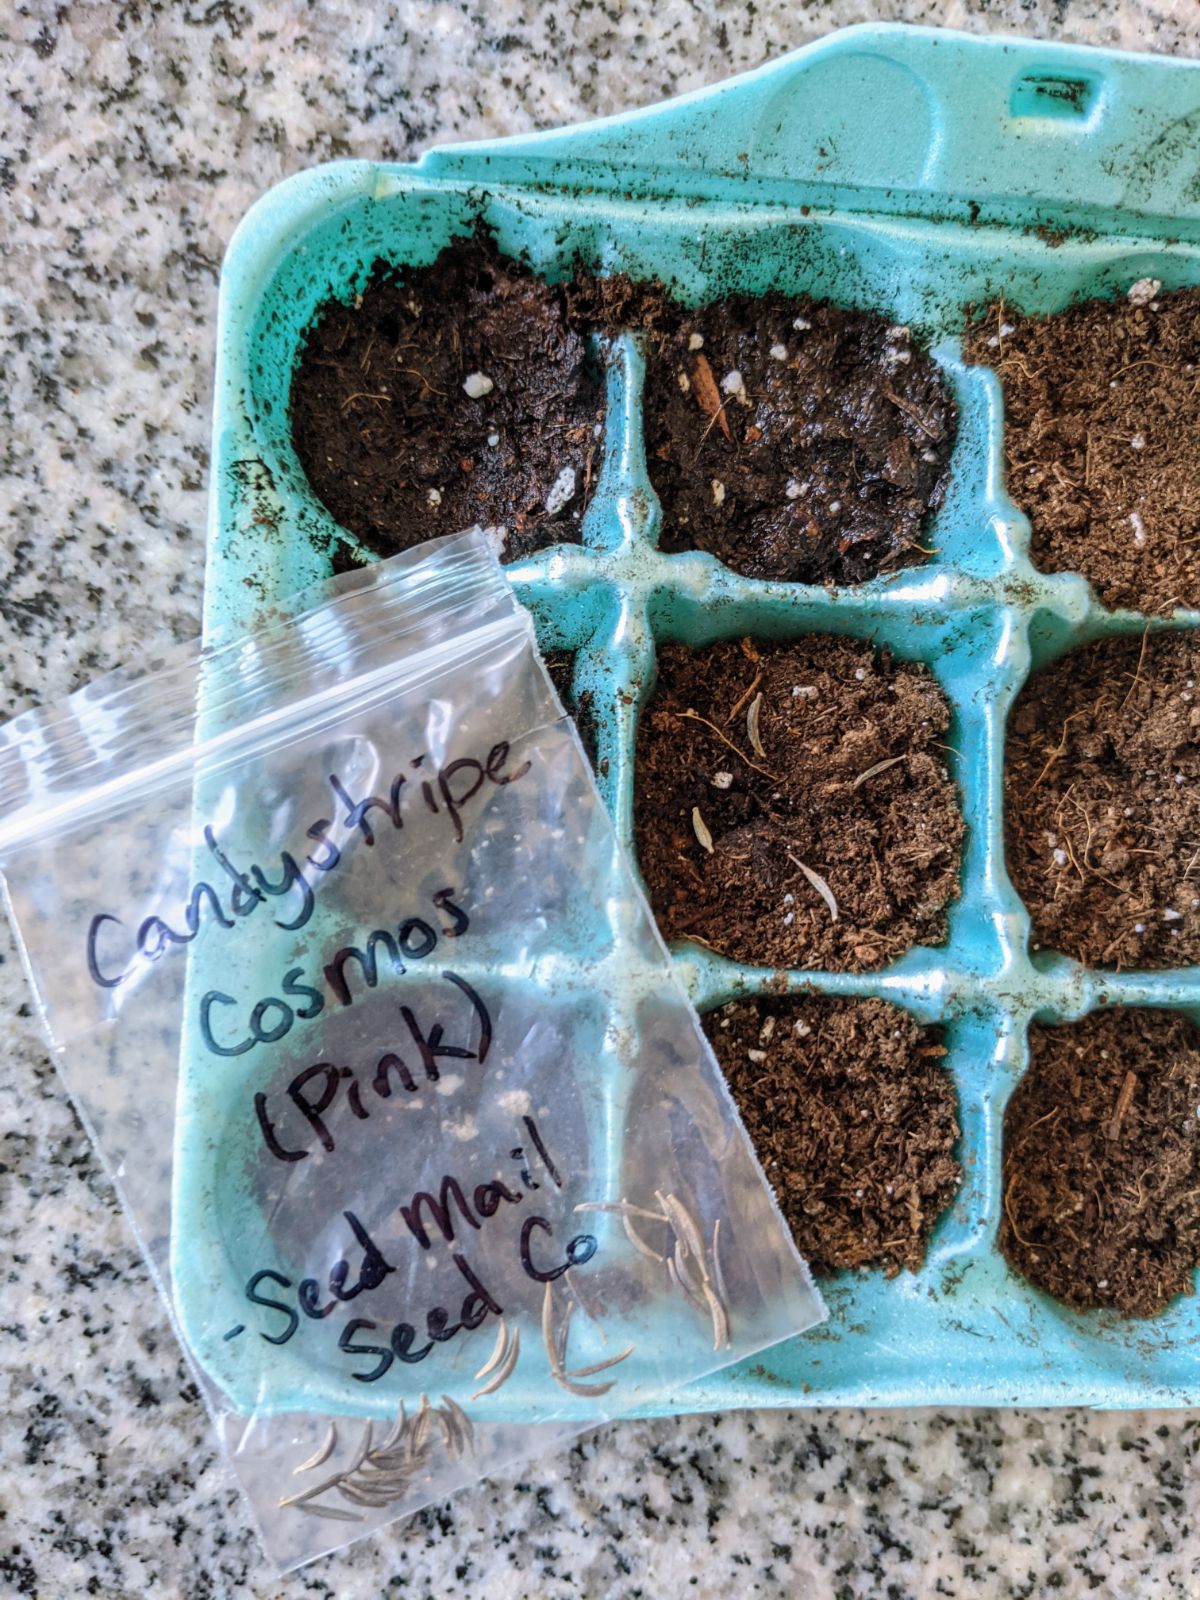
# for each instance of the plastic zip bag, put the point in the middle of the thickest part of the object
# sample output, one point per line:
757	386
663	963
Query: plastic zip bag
352	985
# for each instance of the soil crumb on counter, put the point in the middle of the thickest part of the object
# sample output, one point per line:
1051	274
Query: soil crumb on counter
1102	1162
1102	802
854	1119
446	396
1102	436
795	440
793	807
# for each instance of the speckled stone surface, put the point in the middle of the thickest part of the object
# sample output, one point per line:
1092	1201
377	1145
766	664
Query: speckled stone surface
132	136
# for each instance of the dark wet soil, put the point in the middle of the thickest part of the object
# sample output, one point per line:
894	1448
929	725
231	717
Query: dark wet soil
1102	798
847	789
1102	1162
446	396
795	440
854	1118
1102	436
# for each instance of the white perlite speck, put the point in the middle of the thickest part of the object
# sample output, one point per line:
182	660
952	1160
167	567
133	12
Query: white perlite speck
733	384
1143	291
497	537
562	491
434	498
722	780
477	384
1138	442
493	439
718	492
801	325
685	383
1139	528
794	490
779	352
696	342
1172	916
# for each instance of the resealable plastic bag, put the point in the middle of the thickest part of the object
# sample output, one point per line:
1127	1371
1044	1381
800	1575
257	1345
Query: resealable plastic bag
355	991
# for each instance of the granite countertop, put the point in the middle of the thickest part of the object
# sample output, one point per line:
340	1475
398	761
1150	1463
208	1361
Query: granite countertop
133	137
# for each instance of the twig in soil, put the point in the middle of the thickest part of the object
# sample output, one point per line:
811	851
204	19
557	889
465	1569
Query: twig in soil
911	411
708	397
1122	1106
694	716
1059	748
1017	1234
819	884
362	395
1137	672
741	700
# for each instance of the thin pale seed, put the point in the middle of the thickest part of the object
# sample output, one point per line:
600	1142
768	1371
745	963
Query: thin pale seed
573	1288
562	1335
395	1436
375	1499
718	1275
683	1266
588	1390
719	1318
685	1225
332	1513
623	1207
752	733
880	766
506	1368
700	828
449	1433
819	884
464	1422
312	1492
677	1274
497	1355
321	1455
548	1323
421	1426
636	1240
602	1366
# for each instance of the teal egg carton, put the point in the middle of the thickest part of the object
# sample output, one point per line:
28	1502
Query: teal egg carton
904	171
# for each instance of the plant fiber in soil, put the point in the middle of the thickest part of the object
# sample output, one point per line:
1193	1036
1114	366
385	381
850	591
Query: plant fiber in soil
1102	1162
850	783
1102	802
853	1116
1102	436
